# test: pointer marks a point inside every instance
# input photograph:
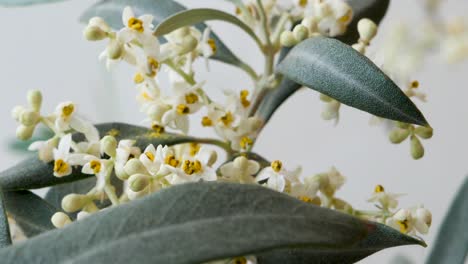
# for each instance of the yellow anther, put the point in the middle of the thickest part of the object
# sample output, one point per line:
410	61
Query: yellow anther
414	84
212	44
238	11
68	110
243	97
307	199
379	189
157	128
194	148
135	24
206	121
345	18
403	226
149	155
240	260
171	161
277	165
245	142
138	78
113	132
303	3
191	98
191	167
227	119
182	109
153	66
60	166
146	96
95	166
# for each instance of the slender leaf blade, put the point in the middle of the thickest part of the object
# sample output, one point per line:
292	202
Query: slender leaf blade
30	212
111	11
34	174
199	15
194	223
5	237
451	245
337	70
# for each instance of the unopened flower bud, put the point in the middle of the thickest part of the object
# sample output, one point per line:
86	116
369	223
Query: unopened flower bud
241	163
360	47
29	117
74	202
417	149
403	125
134	166
287	39
60	220
17	111
325	98
424	215
82	215
94	33
181	32
99	22
398	135
138	182
109	145
424	132
35	100
300	32
156	111
120	172
114	50
367	29
24	132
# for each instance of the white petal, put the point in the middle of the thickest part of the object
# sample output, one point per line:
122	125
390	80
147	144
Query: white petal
36	145
127	14
64	145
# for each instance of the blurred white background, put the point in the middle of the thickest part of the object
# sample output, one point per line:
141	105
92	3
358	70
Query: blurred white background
42	48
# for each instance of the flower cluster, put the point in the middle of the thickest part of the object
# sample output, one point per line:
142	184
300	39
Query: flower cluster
143	170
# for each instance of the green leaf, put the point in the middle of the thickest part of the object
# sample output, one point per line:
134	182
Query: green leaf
194	223
451	245
337	70
11	3
5	238
30	212
34	174
111	11
372	9
195	16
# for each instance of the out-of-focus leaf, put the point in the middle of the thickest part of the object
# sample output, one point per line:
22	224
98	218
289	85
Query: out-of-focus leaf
33	173
196	16
111	11
337	70
11	3
195	223
5	238
30	212
451	245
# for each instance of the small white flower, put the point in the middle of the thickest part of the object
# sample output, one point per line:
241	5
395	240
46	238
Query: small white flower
386	200
411	221
98	167
240	170
124	152
64	160
278	177
331	181
207	46
194	169
45	149
306	189
149	159
66	118
92	144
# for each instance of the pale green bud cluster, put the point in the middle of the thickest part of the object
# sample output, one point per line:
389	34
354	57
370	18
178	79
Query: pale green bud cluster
404	131
28	117
367	31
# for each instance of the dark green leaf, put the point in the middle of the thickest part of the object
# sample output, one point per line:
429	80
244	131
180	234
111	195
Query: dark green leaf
5	238
30	212
10	3
194	223
111	11
337	70
372	9
33	173
196	16
451	245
